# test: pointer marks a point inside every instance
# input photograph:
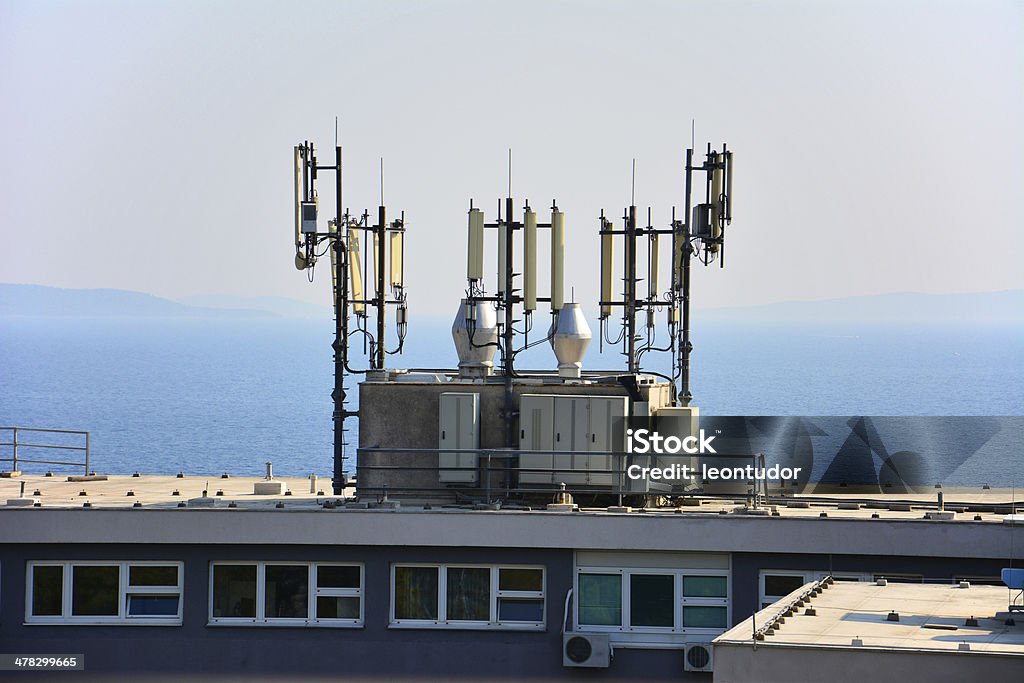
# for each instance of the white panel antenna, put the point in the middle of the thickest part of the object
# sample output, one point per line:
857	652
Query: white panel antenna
557	258
530	260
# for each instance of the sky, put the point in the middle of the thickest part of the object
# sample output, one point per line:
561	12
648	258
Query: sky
148	145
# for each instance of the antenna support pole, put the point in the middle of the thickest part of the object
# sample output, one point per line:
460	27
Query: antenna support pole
630	275
339	480
509	335
380	237
685	396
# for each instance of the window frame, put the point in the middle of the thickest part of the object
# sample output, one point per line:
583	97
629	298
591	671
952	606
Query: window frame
312	593
808	575
493	622
661	634
124	592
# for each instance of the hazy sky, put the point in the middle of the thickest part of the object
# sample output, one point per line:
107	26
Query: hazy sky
147	145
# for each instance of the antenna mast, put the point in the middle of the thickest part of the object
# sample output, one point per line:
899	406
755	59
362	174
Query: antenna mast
700	233
341	239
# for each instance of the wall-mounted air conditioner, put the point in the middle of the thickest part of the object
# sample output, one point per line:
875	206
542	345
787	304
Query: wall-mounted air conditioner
586	649
698	657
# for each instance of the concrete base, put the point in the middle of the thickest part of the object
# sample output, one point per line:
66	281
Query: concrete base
617	508
11	473
88	477
562	507
269	488
21	502
940	514
207	502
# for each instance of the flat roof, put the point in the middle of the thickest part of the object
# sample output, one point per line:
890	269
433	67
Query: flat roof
158	516
974	504
931	618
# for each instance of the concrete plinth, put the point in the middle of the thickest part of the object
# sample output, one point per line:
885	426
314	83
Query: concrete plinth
269	488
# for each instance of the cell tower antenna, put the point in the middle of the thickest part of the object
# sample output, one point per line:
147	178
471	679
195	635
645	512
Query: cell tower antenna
693	133
335	131
509	172
382	181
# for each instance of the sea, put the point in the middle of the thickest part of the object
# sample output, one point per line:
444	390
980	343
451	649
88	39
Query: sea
207	396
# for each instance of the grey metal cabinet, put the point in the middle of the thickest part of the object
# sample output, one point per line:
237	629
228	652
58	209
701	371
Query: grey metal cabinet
572	427
536	433
459	431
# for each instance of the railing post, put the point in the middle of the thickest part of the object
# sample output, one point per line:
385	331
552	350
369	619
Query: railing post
87	454
14	463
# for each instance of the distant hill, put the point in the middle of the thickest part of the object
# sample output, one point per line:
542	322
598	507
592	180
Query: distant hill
41	301
905	307
984	307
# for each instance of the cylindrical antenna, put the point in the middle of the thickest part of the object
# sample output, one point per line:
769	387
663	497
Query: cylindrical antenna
529	259
509	172
299	197
607	267
729	162
382	181
503	228
557	258
475	261
716	198
397	247
355	270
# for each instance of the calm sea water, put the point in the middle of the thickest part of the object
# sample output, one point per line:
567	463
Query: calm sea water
209	396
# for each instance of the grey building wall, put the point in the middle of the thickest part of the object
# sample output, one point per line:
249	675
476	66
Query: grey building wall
775	664
374	650
355	654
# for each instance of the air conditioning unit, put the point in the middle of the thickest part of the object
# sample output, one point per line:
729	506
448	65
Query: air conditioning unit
586	649
698	657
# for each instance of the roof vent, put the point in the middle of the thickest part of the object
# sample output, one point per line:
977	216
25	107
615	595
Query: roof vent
570	338
562	502
893	616
475	332
964	647
881	581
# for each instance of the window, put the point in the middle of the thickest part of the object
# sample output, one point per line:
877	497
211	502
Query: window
777	584
652	601
467	596
104	593
600	599
286	594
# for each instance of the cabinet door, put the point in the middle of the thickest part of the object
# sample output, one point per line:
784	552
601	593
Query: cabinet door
605	433
571	428
459	430
536	433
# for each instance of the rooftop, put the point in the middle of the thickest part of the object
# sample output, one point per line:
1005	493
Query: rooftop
852	615
974	504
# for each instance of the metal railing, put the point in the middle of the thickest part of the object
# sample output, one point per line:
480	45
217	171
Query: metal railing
15	444
501	473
